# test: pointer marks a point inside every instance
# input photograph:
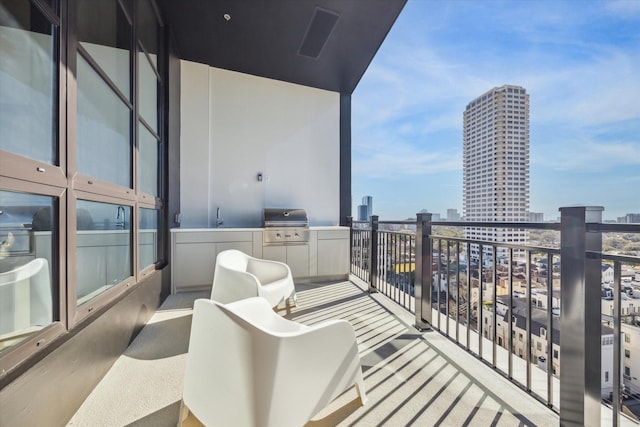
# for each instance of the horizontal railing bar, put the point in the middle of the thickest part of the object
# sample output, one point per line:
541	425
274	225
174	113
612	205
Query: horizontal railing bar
524	225
626	259
614	228
499	244
595	227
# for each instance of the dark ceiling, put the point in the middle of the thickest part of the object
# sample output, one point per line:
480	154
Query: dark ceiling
265	37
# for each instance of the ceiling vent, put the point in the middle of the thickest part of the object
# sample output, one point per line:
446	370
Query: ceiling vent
320	27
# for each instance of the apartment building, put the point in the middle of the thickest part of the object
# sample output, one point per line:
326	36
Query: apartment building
496	162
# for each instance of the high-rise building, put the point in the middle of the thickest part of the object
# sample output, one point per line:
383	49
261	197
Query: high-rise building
536	216
496	163
453	215
630	218
365	210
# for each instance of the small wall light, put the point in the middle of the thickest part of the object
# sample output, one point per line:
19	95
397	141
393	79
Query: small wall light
259	177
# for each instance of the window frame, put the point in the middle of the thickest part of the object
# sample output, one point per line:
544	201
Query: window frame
62	180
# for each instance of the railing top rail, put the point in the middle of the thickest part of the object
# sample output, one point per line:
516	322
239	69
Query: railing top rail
499	244
614	228
403	222
593	226
626	259
489	224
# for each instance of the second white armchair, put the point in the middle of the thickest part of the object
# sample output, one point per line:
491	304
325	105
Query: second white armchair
248	366
238	276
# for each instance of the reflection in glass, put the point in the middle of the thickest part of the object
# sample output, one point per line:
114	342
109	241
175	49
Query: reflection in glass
148	171
148	99
103	253
27	285
148	239
105	32
148	28
27	82
103	129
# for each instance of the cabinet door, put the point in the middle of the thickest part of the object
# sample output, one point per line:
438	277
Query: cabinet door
298	260
333	257
275	253
194	265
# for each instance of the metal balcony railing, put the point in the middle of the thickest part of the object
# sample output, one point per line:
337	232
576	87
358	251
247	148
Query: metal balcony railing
533	313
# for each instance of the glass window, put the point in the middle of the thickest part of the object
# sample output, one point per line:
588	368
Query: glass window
103	129
148	100
148	29
27	260
148	170
148	240
103	248
105	32
28	89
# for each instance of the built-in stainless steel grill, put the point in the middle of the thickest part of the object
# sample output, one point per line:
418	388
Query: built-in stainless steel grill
285	227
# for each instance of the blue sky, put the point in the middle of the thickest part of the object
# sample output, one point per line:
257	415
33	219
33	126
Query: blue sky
580	63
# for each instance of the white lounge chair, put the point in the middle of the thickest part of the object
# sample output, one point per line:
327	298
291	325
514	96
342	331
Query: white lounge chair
238	276
25	298
248	366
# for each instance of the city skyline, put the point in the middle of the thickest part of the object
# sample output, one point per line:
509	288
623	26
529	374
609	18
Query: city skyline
579	63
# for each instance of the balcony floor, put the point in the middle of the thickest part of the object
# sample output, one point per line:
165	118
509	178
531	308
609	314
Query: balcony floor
411	377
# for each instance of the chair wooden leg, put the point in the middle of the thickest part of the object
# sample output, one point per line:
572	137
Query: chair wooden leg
362	393
184	413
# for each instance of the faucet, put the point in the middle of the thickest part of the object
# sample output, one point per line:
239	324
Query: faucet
120	217
219	220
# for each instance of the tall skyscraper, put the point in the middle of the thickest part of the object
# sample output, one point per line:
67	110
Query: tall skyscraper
496	162
365	210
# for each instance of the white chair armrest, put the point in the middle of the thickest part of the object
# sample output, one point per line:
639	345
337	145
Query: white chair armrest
268	271
258	312
229	286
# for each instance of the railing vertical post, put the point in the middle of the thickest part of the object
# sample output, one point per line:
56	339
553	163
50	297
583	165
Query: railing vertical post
350	225
373	255
422	286
580	323
618	337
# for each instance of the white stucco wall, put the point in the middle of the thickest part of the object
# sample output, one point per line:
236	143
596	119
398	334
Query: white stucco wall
235	126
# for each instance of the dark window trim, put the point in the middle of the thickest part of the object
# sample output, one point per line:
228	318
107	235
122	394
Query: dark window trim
61	180
96	67
46	10
39	340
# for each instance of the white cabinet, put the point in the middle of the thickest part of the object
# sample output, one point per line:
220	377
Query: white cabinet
295	256
194	252
333	252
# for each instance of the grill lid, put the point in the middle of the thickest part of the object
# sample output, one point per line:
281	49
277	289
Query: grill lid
276	217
